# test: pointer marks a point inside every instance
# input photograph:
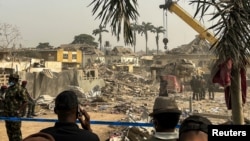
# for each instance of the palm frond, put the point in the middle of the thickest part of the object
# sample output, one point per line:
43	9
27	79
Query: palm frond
119	13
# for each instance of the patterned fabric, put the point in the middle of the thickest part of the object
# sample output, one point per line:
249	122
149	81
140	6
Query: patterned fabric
14	99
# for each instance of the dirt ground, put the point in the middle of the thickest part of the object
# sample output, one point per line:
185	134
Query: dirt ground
29	127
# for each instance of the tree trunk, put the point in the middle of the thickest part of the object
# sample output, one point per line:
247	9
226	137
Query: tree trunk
236	98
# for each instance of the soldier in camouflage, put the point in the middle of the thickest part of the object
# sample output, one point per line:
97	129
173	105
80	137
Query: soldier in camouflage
15	101
31	102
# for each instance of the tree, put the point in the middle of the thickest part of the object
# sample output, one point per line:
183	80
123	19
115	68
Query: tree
134	28
85	39
119	13
9	35
143	30
99	32
233	43
158	30
45	45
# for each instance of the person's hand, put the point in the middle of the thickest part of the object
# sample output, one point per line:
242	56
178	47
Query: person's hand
86	121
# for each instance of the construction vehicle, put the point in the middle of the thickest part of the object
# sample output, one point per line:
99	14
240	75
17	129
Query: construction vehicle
173	7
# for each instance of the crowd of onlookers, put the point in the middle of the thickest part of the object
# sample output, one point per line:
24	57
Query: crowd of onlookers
165	118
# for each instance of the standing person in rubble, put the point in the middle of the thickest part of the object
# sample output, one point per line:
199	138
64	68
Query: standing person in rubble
163	87
196	87
202	87
31	102
165	117
14	102
211	88
192	85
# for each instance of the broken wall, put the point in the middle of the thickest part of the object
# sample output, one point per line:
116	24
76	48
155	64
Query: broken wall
39	83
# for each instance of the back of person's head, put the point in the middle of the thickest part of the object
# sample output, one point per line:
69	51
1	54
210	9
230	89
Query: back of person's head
39	137
194	126
65	102
13	78
24	83
166	113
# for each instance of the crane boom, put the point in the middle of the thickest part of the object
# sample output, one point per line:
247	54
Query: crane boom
173	7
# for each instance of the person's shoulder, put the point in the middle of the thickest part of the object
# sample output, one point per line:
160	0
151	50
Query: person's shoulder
90	134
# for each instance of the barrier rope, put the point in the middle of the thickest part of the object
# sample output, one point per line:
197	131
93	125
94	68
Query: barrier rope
116	123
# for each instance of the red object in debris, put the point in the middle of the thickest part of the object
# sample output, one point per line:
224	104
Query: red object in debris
173	85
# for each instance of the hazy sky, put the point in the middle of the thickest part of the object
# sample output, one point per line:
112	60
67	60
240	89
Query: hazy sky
58	21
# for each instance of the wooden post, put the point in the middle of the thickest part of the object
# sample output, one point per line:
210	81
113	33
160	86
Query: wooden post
236	97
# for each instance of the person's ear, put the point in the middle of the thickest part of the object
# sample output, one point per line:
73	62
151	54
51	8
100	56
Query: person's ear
155	122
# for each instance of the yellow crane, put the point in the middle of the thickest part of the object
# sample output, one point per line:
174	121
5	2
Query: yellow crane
173	7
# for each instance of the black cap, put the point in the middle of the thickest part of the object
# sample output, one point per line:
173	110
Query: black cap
195	123
66	100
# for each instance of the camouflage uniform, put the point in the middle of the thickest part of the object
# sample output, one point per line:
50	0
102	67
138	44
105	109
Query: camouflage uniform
31	104
14	100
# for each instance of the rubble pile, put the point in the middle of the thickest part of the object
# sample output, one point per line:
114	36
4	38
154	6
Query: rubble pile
120	82
197	46
180	68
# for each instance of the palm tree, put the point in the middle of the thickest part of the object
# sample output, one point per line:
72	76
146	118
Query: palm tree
99	32
134	28
158	30
119	13
143	29
233	43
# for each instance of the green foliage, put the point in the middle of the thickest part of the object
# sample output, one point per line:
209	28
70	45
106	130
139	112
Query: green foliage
85	39
119	13
45	45
232	28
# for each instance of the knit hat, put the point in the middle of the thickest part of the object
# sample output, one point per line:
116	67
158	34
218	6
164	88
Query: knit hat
195	122
3	87
24	82
165	104
66	100
39	137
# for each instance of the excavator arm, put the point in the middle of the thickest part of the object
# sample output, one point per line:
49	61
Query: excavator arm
173	7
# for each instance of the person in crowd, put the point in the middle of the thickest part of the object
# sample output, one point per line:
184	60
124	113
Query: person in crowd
3	91
194	128
202	87
165	118
31	102
211	87
2	95
192	85
163	91
14	102
68	111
